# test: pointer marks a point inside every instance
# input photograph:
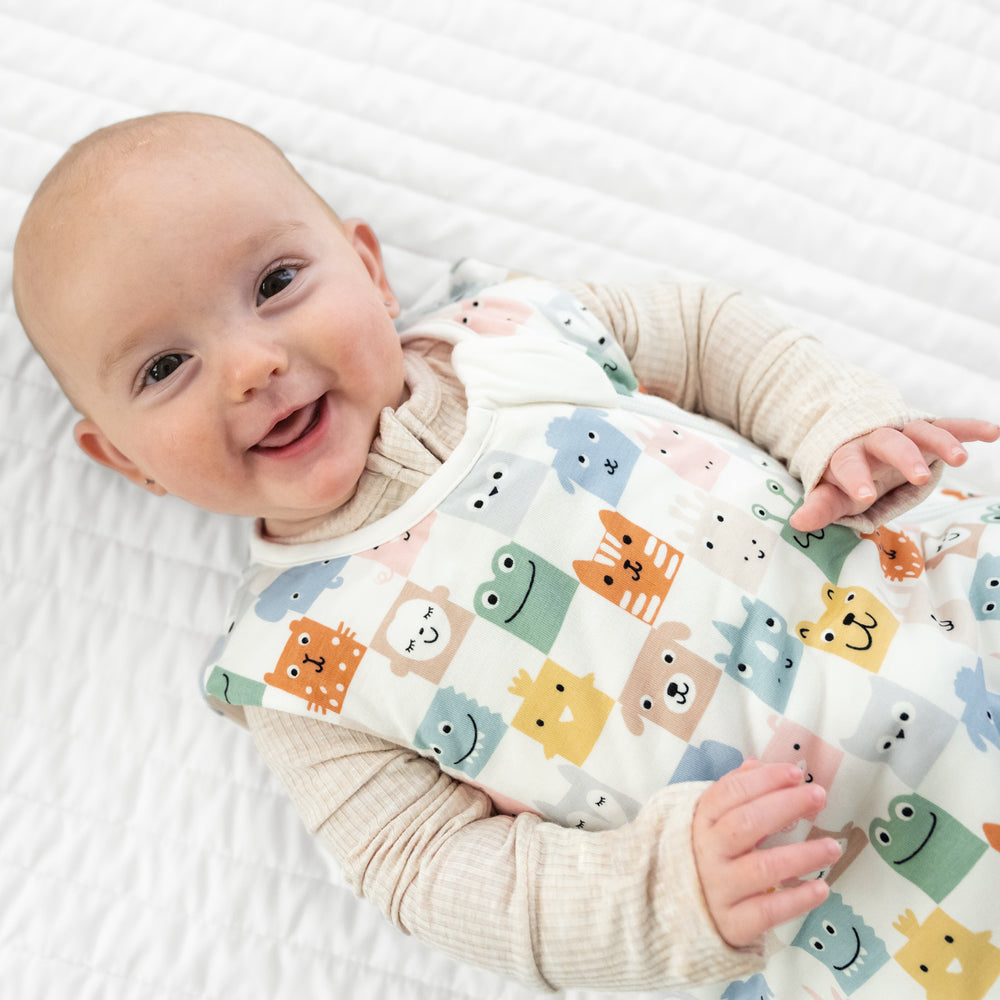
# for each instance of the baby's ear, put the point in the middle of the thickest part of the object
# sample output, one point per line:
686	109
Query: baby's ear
95	444
362	237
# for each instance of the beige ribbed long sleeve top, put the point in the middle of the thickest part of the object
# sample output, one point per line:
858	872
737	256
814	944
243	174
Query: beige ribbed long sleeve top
558	908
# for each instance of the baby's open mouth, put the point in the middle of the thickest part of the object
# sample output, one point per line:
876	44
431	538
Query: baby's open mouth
292	428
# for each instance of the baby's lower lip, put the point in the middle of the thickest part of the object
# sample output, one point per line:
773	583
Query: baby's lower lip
312	418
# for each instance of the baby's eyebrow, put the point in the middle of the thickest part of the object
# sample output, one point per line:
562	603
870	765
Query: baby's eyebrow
257	241
117	356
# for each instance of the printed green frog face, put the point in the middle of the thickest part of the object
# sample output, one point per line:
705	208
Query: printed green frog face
925	844
527	596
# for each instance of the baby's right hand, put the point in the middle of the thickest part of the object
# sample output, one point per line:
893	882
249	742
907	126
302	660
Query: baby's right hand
732	817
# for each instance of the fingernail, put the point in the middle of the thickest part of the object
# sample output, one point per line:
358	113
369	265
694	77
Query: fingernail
818	794
866	493
834	848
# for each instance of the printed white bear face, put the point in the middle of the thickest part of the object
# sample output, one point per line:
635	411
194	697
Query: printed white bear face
420	630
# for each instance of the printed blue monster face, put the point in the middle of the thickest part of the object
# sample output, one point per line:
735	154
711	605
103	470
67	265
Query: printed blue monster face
764	657
754	988
297	588
592	453
459	732
708	761
836	936
984	595
527	596
982	707
924	844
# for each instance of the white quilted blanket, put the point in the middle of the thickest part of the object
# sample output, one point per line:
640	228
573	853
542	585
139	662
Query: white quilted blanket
839	157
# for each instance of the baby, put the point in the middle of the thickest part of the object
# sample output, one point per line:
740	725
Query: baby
229	340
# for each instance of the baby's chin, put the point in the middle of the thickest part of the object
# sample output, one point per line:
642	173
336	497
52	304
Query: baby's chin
289	525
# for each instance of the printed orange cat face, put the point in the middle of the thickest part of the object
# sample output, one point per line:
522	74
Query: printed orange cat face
318	664
631	568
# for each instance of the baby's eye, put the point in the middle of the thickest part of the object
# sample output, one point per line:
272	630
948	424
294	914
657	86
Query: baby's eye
163	367
276	281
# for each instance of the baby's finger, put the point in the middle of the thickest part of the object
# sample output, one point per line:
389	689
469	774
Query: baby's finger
943	438
824	504
746	825
966	428
746	921
768	867
898	451
744	785
936	440
850	469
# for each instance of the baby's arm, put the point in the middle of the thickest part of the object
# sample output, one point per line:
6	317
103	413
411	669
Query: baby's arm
869	467
716	351
553	907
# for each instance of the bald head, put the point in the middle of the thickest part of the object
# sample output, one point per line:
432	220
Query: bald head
91	180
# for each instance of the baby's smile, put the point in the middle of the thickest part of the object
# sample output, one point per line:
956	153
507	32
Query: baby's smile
293	428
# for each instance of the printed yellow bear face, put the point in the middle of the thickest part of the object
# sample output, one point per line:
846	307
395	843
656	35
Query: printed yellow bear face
565	713
856	625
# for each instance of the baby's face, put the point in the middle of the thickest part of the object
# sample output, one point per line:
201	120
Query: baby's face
225	336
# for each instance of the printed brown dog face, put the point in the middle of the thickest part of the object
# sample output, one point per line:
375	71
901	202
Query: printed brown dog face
669	685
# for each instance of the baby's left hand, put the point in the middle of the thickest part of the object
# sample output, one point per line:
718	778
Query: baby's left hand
870	466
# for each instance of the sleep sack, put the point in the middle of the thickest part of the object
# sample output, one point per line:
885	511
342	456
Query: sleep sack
599	594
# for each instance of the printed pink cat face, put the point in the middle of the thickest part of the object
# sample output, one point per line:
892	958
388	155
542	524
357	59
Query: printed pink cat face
692	456
399	554
794	744
492	316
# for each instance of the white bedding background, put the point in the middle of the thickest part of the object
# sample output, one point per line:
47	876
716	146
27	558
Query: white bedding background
839	157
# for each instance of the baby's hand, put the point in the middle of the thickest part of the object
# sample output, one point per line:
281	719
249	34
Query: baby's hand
870	466
732	817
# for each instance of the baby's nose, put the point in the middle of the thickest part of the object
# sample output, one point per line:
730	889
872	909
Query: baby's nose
252	365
